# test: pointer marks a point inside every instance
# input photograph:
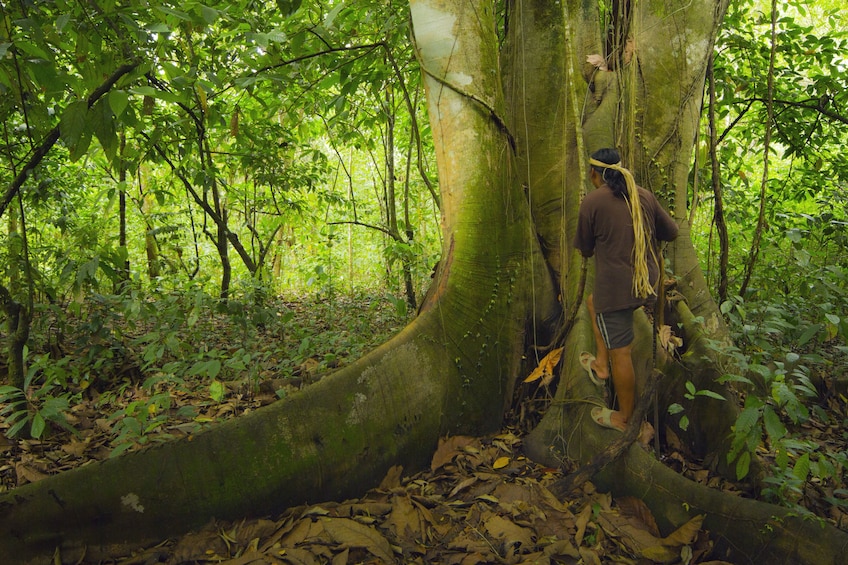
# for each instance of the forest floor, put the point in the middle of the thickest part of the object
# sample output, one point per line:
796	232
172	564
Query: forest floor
481	500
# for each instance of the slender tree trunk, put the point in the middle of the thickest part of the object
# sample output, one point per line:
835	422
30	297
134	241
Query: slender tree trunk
124	272
718	211
18	320
151	247
761	219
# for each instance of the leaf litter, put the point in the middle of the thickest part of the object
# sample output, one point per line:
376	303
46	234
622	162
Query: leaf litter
461	511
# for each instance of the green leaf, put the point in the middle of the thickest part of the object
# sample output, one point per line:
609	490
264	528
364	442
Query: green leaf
746	420
832	318
118	101
774	427
209	14
710	394
684	422
38	425
802	467
743	465
217	391
73	122
675	409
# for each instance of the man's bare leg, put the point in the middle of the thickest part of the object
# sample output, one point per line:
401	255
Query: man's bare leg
624	379
601	363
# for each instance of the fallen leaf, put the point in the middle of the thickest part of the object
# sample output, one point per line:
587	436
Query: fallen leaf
448	449
500	463
669	341
392	478
597	61
546	366
349	533
511	534
28	474
632	507
685	534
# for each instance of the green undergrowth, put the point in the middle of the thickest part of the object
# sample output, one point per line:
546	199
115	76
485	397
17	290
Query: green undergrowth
116	372
790	362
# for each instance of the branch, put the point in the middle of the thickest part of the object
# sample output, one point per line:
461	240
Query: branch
53	136
371	226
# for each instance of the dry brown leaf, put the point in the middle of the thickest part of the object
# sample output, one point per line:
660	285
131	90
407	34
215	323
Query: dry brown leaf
449	448
581	522
349	533
597	61
633	507
462	485
668	340
546	366
392	478
685	534
27	474
404	520
299	556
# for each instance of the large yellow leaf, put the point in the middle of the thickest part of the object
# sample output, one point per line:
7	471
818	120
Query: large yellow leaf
546	367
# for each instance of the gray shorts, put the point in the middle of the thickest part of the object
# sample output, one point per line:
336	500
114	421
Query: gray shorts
616	328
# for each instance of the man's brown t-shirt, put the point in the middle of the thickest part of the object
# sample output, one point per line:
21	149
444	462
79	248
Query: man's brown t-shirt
605	230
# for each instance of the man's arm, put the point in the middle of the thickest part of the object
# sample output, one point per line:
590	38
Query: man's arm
666	228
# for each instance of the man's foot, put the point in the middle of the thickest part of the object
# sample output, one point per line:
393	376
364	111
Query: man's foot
593	368
607	418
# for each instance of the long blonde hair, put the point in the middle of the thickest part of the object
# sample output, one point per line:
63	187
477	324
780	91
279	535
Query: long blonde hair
642	287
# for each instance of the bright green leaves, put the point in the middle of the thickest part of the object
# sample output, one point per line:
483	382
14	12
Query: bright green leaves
288	7
79	123
74	129
118	102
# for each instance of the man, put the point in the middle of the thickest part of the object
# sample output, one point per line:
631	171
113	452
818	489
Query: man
620	224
